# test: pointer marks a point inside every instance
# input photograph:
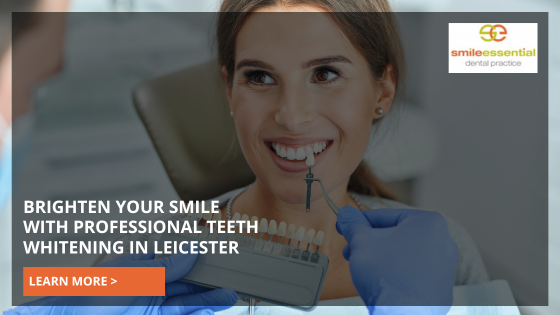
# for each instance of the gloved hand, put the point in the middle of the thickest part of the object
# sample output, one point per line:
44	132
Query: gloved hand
400	258
180	298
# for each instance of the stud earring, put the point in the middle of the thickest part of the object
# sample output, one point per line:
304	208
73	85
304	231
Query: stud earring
380	111
231	113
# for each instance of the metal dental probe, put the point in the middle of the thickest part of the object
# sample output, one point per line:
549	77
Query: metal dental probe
309	180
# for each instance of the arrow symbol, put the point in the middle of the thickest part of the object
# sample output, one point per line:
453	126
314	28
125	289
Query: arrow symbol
113	281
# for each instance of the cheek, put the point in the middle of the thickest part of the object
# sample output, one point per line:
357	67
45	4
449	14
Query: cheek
250	112
352	110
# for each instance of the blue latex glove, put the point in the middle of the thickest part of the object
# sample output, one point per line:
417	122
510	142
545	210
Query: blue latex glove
180	298
400	259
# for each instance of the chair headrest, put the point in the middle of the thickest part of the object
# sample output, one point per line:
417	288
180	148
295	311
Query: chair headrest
187	117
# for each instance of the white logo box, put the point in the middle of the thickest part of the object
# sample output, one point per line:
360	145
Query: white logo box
465	36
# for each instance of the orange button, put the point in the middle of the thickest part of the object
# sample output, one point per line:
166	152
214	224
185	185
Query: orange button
94	281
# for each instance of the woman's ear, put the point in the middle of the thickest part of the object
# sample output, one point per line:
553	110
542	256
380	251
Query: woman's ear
387	90
227	85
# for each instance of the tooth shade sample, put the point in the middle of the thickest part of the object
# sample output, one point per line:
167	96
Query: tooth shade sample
316	147
237	217
281	229
300	154
318	240
291	231
310	157
291	154
245	217
217	216
309	236
254	220
300	233
272	227
263	227
283	152
207	216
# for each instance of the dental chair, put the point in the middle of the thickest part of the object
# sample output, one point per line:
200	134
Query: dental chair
188	119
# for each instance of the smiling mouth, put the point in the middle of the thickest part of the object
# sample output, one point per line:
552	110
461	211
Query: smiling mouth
297	153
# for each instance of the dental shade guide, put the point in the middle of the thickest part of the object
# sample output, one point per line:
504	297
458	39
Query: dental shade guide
298	275
263	227
250	241
233	236
271	231
289	235
214	235
277	250
299	236
309	239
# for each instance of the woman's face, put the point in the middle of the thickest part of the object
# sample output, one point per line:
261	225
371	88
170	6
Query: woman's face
299	83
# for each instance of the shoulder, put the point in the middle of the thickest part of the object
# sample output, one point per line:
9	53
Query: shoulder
470	267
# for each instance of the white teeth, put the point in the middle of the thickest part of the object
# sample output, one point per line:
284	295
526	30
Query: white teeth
300	154
318	240
236	217
263	227
291	231
272	227
300	233
309	236
308	151
245	217
281	229
291	154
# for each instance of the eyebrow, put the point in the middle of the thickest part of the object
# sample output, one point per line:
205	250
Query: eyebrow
253	63
325	60
307	64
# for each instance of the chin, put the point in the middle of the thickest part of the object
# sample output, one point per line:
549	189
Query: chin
290	191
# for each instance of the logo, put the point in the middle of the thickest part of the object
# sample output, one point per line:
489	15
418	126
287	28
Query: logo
493	32
467	53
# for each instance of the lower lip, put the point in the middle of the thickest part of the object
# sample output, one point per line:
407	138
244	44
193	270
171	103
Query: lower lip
295	166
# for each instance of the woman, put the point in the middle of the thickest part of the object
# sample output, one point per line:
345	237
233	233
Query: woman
318	79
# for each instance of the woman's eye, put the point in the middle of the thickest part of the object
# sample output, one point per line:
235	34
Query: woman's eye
260	78
325	76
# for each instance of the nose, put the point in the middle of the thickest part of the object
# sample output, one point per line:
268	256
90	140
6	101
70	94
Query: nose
295	110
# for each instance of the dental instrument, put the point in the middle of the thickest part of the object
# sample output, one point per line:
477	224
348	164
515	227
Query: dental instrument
309	180
310	161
